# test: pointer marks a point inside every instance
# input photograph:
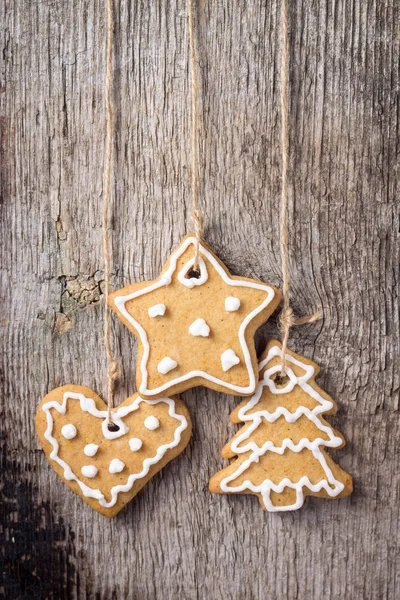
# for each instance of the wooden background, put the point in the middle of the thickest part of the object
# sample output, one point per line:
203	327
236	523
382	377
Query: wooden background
176	540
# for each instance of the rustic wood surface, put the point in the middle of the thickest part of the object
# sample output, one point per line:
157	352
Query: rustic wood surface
176	540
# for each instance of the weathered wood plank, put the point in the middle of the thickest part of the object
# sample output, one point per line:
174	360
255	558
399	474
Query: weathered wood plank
176	540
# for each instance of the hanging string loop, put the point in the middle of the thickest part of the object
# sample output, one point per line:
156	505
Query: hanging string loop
287	318
197	216
113	370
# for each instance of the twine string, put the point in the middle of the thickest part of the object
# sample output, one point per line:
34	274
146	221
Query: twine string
197	216
287	318
112	364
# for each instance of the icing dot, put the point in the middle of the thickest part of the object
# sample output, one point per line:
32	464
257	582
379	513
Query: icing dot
229	360
166	365
199	327
231	303
69	431
158	310
152	423
90	449
89	471
116	466
135	444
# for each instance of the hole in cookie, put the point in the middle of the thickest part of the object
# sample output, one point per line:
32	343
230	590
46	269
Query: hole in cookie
113	427
193	274
281	379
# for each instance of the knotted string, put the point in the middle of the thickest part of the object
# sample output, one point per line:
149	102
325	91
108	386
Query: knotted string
197	216
287	318
112	364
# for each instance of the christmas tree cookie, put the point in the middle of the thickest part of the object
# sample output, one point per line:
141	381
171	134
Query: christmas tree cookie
280	454
195	327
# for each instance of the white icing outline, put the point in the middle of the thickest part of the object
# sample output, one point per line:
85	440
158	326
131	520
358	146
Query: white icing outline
88	404
191	282
165	280
267	485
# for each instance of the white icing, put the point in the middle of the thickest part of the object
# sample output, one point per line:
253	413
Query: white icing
165	279
90	449
166	365
191	282
158	310
229	360
199	327
116	466
330	484
89	471
117	415
231	303
152	423
69	431
135	444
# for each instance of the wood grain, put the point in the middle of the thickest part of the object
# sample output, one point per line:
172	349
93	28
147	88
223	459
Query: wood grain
176	540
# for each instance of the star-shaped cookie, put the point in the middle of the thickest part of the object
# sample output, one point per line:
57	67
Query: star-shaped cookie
195	328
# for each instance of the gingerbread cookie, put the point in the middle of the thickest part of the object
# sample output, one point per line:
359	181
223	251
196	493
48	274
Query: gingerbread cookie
108	468
195	328
280	453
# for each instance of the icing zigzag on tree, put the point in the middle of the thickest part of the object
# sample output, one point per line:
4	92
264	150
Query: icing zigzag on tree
280	453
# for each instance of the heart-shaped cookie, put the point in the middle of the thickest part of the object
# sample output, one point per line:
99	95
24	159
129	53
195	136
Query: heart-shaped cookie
108	468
